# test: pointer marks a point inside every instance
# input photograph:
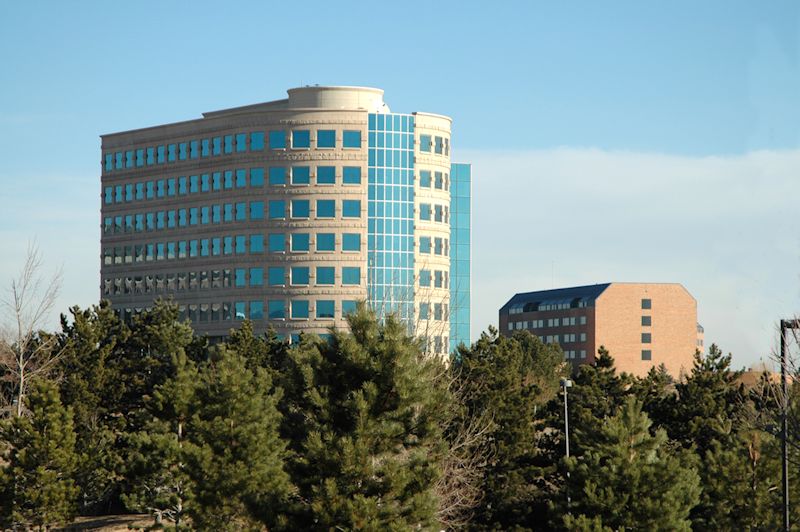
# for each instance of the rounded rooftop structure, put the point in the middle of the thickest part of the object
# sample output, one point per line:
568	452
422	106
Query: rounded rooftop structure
328	97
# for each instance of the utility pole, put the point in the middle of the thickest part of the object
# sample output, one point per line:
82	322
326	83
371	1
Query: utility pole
566	383
785	324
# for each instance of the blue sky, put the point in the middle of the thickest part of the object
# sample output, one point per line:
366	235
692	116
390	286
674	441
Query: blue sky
709	90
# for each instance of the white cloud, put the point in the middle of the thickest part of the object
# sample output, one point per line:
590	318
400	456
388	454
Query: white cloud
725	227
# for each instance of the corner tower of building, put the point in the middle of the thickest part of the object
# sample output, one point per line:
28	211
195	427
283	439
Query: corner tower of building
286	213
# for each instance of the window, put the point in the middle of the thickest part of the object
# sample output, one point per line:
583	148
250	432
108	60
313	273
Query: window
425	143
326	138
256	141
301	175
276	276
228	179
647	354
349	307
425	277
326	275
276	309
424	244
228	141
647	304
277	243
300	208
256	177
351	242
239	279
216	214
300	241
239	310
326	175
109	195
351	275
325	308
647	321
351	208
277	140
205	147
326	208
256	276
300	275
241	244
277	175
241	211
439	147
438	278
256	210
351	139
241	178
256	243
301	139
256	310
424	312
326	242
438	213
277	209
425	178
351	175
646	338
438	181
227	245
299	309
241	142
437	246
424	211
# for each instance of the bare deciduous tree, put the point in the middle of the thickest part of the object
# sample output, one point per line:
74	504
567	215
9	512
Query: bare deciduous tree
25	352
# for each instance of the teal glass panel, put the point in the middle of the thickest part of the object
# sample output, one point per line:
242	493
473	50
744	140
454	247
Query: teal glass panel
241	178
239	277
241	142
171	152
351	275
351	139
325	308
300	241
300	208
228	143
326	175
277	175
301	138
256	243
425	178
256	210
256	310
256	276
256	177
151	156
277	140
351	242
326	242
257	141
351	208
277	242
299	308
241	244
351	175
276	309
326	208
425	143
349	307
277	209
326	275
241	211
301	175
276	275
300	275
326	138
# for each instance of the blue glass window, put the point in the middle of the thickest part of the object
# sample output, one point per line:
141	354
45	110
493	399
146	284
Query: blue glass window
241	178
118	162
228	143
205	147
171	154
241	142
425	143
424	211
351	242
109	195
205	215
425	178
277	175
239	277
216	181
161	154
299	308
425	277
351	208
227	245
239	310
351	175
182	217
216	214
182	151
424	311
109	162
438	181
228	181
140	157
300	275
216	246
351	275
351	139
182	185
151	156
256	177
277	309
276	276
325	308
256	276
194	184
326	242
241	244
277	209
139	191
256	141
326	138
326	275
277	140
301	138
256	243
256	210
193	216
301	175
300	208
129	159
150	190
300	241
439	145
256	310
277	242
349	307
424	244
241	211
326	208
216	146
326	175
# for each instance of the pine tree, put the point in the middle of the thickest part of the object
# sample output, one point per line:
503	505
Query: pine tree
235	456
511	380
628	478
366	448
37	484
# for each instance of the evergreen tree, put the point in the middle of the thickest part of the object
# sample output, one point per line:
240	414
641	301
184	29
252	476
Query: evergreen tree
628	478
366	448
511	380
37	484
234	454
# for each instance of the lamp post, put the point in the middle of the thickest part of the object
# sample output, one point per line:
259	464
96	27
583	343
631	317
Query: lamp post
785	324
566	383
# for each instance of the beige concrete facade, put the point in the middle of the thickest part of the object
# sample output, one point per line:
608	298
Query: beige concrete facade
642	325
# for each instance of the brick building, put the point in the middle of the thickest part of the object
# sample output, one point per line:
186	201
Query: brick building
641	324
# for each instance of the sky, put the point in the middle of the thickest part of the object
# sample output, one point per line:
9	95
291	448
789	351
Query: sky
610	141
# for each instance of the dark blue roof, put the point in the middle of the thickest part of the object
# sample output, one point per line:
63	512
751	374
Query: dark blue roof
588	292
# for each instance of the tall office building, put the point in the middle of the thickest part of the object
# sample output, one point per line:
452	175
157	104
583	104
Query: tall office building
641	324
289	212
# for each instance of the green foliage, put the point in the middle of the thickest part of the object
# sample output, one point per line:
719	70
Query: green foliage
362	417
628	478
36	483
511	380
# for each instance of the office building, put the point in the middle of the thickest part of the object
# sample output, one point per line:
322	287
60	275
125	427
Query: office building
289	212
641	324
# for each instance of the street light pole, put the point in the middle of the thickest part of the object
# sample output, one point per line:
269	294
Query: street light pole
566	383
785	324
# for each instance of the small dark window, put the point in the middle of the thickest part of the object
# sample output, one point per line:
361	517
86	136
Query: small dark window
647	304
646	338
647	321
647	354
